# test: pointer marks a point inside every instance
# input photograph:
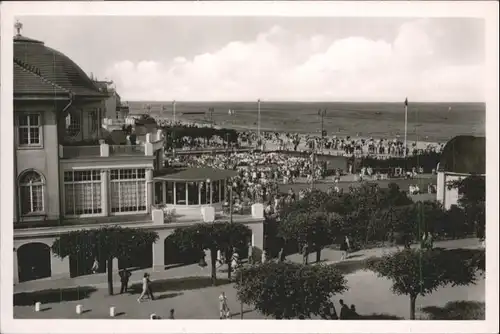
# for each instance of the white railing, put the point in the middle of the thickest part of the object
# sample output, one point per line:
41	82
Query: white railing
127	149
154	142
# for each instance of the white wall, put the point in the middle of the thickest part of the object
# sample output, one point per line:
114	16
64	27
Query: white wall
451	195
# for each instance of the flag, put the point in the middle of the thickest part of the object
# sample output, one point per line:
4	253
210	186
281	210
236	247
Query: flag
406	102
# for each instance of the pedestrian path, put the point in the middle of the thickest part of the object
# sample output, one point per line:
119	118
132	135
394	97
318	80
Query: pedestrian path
329	256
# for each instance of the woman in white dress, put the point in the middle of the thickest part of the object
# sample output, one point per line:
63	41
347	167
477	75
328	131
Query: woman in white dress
224	312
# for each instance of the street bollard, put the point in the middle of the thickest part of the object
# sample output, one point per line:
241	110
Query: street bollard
112	311
79	309
38	306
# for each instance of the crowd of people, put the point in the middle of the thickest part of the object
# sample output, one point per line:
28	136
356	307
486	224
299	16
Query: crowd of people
258	173
346	146
299	142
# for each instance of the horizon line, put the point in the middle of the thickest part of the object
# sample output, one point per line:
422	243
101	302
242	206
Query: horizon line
298	101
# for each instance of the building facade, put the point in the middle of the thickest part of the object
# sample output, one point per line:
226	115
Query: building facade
68	174
462	156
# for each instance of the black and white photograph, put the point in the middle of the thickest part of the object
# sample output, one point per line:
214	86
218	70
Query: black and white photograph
214	166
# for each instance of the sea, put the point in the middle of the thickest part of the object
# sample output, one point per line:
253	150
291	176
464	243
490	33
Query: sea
428	122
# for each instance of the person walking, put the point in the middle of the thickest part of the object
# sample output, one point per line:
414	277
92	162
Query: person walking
235	260
353	314
344	310
124	278
430	242
144	287
172	314
224	311
149	287
423	242
305	254
343	248
95	266
250	253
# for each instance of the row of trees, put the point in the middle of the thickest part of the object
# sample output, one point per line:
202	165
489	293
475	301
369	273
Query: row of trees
117	242
370	214
286	290
176	133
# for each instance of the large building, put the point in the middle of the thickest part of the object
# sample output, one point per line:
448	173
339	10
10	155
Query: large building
70	173
461	157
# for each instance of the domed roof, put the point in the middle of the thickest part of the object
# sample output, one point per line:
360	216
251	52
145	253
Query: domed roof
464	155
50	68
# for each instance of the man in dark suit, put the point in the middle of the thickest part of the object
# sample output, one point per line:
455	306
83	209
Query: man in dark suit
124	277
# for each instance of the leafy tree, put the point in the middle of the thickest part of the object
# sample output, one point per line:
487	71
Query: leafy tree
472	191
213	237
288	290
314	229
106	242
420	272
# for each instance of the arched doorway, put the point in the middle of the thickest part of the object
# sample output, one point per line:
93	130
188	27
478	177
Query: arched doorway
174	256
33	261
141	258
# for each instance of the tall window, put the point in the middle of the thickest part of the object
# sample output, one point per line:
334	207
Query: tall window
82	192
73	123
31	193
93	120
29	127
128	190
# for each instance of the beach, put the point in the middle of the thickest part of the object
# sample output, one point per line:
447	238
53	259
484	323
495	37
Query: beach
427	122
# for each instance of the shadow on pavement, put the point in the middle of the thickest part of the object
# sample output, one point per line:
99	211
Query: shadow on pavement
349	267
238	314
178	284
376	316
53	295
457	310
168	295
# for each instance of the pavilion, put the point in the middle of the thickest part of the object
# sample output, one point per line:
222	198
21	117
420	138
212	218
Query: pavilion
189	187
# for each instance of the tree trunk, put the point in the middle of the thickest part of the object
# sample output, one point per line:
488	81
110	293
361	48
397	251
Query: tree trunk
318	255
412	307
110	276
213	260
229	268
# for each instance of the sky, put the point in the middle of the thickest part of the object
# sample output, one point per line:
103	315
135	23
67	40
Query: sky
274	58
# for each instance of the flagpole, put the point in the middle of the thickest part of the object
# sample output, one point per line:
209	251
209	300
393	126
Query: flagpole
258	118
406	126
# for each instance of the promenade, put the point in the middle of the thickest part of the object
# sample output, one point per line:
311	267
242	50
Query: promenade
188	290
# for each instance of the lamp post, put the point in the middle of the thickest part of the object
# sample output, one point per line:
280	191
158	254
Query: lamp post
231	202
173	109
211	113
211	192
313	169
322	114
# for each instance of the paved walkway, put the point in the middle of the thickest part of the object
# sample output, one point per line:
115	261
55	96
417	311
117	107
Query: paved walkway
328	256
369	293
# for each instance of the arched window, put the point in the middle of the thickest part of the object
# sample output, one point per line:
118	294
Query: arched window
31	193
